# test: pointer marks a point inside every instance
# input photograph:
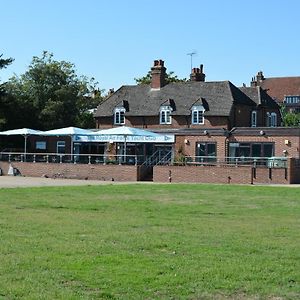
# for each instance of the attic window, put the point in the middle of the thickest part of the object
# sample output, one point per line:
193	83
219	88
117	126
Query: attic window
198	114
165	114
119	116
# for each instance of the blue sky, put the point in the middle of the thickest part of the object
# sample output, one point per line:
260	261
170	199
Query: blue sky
115	41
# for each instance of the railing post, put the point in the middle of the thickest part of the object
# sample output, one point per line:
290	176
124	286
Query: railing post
21	157
9	157
136	160
34	158
60	159
89	160
47	158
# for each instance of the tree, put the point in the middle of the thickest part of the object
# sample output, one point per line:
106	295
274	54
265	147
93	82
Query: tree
290	119
170	77
3	64
51	95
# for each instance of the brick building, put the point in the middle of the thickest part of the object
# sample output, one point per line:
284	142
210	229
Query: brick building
200	114
284	90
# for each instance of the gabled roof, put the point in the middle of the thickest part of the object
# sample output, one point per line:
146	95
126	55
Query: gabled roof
278	87
259	96
144	101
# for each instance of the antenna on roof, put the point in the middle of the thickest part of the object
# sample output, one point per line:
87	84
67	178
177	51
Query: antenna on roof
191	55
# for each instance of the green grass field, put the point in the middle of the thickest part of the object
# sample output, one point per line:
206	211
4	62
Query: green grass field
150	242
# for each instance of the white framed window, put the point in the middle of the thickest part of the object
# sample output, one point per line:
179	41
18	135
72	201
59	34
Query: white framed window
119	116
271	119
198	114
165	115
291	99
40	145
253	118
61	147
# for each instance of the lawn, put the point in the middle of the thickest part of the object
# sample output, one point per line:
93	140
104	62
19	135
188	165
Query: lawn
143	241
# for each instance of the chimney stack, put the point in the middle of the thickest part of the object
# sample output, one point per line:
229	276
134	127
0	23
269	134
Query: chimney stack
259	78
197	74
158	74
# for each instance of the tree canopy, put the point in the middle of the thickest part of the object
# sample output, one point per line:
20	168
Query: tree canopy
170	77
50	95
3	64
290	119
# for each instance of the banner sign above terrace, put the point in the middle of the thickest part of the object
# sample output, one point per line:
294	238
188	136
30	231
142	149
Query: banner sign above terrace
169	138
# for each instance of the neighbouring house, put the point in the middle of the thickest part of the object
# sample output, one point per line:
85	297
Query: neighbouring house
284	90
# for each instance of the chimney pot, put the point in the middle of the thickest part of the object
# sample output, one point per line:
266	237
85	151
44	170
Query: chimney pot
201	68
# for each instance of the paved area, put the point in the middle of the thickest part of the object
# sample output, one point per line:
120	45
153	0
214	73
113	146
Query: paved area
19	181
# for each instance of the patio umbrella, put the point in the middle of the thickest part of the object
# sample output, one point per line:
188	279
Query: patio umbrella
126	131
23	131
68	131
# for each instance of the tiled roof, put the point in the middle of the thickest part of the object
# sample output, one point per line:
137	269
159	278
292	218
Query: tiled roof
278	87
259	96
144	101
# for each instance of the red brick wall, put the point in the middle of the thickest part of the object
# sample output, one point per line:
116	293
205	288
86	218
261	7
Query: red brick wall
200	174
271	176
77	171
222	174
152	122
241	116
207	174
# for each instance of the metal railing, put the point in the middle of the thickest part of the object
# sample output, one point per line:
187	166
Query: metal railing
157	158
117	159
269	162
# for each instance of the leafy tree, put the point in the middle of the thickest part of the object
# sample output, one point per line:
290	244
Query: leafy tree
3	64
51	95
170	77
290	119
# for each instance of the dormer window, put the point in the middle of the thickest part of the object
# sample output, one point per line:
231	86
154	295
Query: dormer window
291	99
198	114
165	114
119	116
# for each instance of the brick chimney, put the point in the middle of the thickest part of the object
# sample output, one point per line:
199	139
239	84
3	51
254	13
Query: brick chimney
158	74
197	74
259	78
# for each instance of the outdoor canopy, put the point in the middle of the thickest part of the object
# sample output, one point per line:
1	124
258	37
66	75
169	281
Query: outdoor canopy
23	131
126	131
67	131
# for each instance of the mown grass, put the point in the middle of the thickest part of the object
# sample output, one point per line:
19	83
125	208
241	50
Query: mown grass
150	242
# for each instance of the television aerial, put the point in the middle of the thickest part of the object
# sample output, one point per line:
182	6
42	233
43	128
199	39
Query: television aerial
191	54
